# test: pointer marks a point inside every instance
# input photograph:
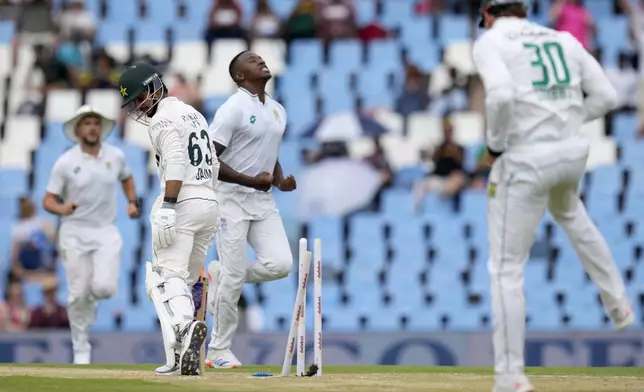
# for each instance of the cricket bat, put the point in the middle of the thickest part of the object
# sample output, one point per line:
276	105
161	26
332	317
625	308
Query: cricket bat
201	316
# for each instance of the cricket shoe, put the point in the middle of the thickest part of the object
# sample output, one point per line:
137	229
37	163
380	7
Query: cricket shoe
167	370
622	319
82	358
193	337
222	359
214	269
513	384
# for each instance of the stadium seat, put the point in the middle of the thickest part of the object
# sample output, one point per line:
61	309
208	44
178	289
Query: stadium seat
14	183
453	28
345	55
425	130
108	102
400	152
189	58
61	105
273	52
468	128
306	55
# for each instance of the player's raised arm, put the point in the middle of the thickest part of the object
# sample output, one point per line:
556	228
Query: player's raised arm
222	129
55	188
499	92
601	95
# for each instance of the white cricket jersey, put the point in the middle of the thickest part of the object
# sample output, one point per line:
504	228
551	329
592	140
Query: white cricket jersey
92	182
183	149
534	79
252	133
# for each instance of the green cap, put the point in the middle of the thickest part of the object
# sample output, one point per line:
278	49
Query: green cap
136	79
485	4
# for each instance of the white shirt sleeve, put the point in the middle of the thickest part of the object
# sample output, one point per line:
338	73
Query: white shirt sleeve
56	183
124	169
499	91
224	124
601	94
170	141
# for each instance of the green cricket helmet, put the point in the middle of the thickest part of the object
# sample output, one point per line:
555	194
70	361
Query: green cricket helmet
486	4
136	80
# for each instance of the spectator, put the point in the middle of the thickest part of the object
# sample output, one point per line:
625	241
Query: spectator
336	19
635	12
573	17
447	177
187	92
50	314
378	161
104	73
75	22
481	171
225	21
301	24
624	79
414	95
56	74
372	31
14	315
32	243
265	23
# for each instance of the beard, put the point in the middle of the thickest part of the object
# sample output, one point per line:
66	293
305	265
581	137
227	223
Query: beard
91	142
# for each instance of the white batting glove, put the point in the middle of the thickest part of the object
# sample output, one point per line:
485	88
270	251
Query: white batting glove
163	231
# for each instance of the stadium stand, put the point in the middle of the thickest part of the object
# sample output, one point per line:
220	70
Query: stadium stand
426	269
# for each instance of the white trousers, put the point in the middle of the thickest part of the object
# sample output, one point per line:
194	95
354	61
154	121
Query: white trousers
246	218
522	184
196	221
91	257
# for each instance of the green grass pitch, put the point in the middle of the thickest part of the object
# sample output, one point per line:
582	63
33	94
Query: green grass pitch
139	378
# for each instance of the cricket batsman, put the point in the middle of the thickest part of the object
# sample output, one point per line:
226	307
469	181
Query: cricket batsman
535	79
85	177
247	132
183	218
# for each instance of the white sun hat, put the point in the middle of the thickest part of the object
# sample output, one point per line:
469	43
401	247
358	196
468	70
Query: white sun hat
107	124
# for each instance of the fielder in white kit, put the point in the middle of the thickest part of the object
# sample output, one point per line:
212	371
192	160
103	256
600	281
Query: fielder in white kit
247	131
534	79
183	218
86	177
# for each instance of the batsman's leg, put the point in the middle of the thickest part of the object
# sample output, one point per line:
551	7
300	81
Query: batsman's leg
515	208
592	249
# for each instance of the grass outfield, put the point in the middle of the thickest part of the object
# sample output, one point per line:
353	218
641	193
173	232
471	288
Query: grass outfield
139	378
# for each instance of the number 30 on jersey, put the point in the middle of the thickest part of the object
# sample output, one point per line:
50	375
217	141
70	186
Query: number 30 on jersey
200	152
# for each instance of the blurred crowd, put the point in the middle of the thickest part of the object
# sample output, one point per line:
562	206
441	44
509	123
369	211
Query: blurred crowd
69	58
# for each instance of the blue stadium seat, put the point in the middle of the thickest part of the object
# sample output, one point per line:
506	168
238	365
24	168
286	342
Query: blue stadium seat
150	31
7	31
335	93
397	13
162	12
373	87
406	177
14	183
453	28
137	161
283	8
383	54
365	12
211	105
613	38
345	55
306	54
416	31
8	210
111	32
624	127
123	12
330	231
425	55
398	204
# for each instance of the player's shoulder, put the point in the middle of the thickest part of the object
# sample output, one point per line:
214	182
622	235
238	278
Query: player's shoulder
159	123
70	156
112	151
234	104
276	103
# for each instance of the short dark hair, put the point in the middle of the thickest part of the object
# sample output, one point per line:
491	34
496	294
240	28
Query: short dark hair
231	66
517	9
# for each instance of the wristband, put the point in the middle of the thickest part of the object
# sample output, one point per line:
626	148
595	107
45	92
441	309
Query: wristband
135	202
169	202
495	154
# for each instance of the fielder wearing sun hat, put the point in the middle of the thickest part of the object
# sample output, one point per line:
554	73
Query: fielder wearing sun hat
107	124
